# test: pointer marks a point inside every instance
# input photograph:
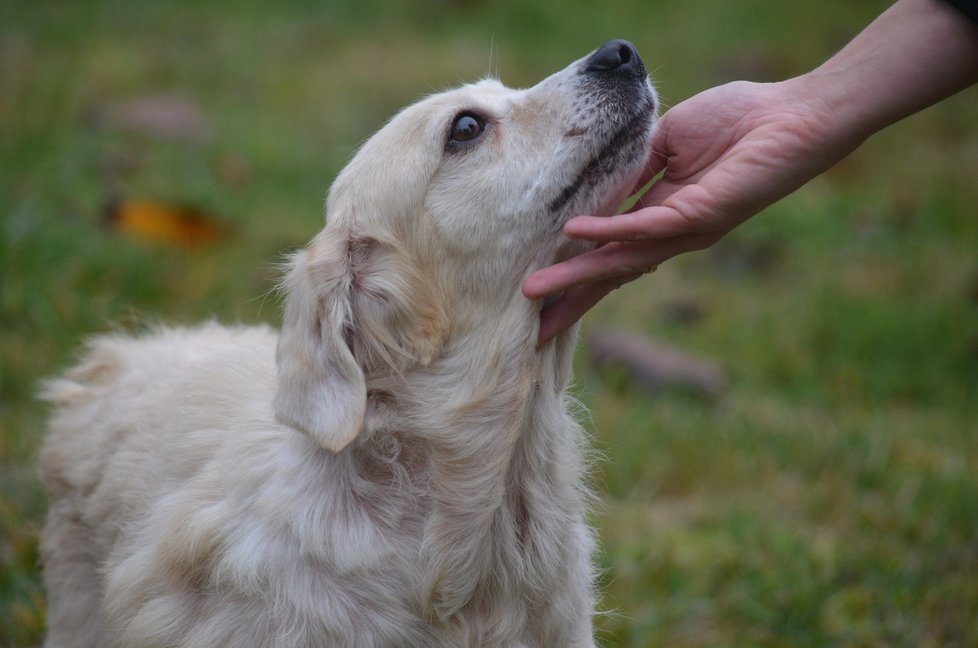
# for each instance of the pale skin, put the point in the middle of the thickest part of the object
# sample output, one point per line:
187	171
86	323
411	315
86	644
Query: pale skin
729	152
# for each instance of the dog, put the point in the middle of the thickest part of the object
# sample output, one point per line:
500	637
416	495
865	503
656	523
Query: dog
400	465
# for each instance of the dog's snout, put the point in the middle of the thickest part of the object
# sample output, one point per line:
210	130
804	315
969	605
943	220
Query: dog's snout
617	56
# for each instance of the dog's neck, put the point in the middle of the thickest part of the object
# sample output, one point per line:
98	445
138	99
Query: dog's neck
485	378
485	422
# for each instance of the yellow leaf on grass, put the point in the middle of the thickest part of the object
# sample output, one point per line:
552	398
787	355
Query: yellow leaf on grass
167	223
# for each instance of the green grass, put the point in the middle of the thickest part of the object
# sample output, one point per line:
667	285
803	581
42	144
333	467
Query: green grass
828	499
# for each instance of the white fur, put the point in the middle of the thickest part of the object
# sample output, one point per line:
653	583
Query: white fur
398	467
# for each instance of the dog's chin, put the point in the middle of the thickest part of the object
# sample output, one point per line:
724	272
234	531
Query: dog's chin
605	202
613	200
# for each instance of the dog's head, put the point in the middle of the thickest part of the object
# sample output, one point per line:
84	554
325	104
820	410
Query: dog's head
433	225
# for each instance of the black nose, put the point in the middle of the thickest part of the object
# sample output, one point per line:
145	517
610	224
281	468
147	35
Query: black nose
616	56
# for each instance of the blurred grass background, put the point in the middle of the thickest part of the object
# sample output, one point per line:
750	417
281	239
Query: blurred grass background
829	498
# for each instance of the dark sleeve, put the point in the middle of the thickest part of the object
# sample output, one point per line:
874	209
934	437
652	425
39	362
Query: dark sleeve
968	7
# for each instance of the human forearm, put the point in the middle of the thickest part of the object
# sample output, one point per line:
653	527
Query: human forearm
915	54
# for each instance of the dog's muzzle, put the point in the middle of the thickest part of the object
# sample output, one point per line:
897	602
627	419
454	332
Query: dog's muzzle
615	86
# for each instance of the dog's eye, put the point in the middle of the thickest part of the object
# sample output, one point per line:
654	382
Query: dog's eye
466	128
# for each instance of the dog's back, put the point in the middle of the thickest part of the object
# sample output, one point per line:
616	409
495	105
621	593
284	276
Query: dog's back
117	405
132	421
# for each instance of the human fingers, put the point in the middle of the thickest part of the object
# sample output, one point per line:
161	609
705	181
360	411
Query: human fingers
561	315
605	262
656	222
618	259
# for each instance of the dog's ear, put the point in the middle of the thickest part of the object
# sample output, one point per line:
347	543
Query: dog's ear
400	320
321	386
353	304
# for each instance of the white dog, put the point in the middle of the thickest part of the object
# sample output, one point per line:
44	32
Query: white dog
403	470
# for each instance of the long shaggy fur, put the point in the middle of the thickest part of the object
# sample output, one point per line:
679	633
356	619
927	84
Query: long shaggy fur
398	466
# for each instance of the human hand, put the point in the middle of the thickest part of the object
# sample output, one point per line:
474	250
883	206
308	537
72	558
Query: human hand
727	153
731	151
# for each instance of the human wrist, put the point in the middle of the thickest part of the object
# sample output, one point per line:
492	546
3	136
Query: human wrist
826	105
